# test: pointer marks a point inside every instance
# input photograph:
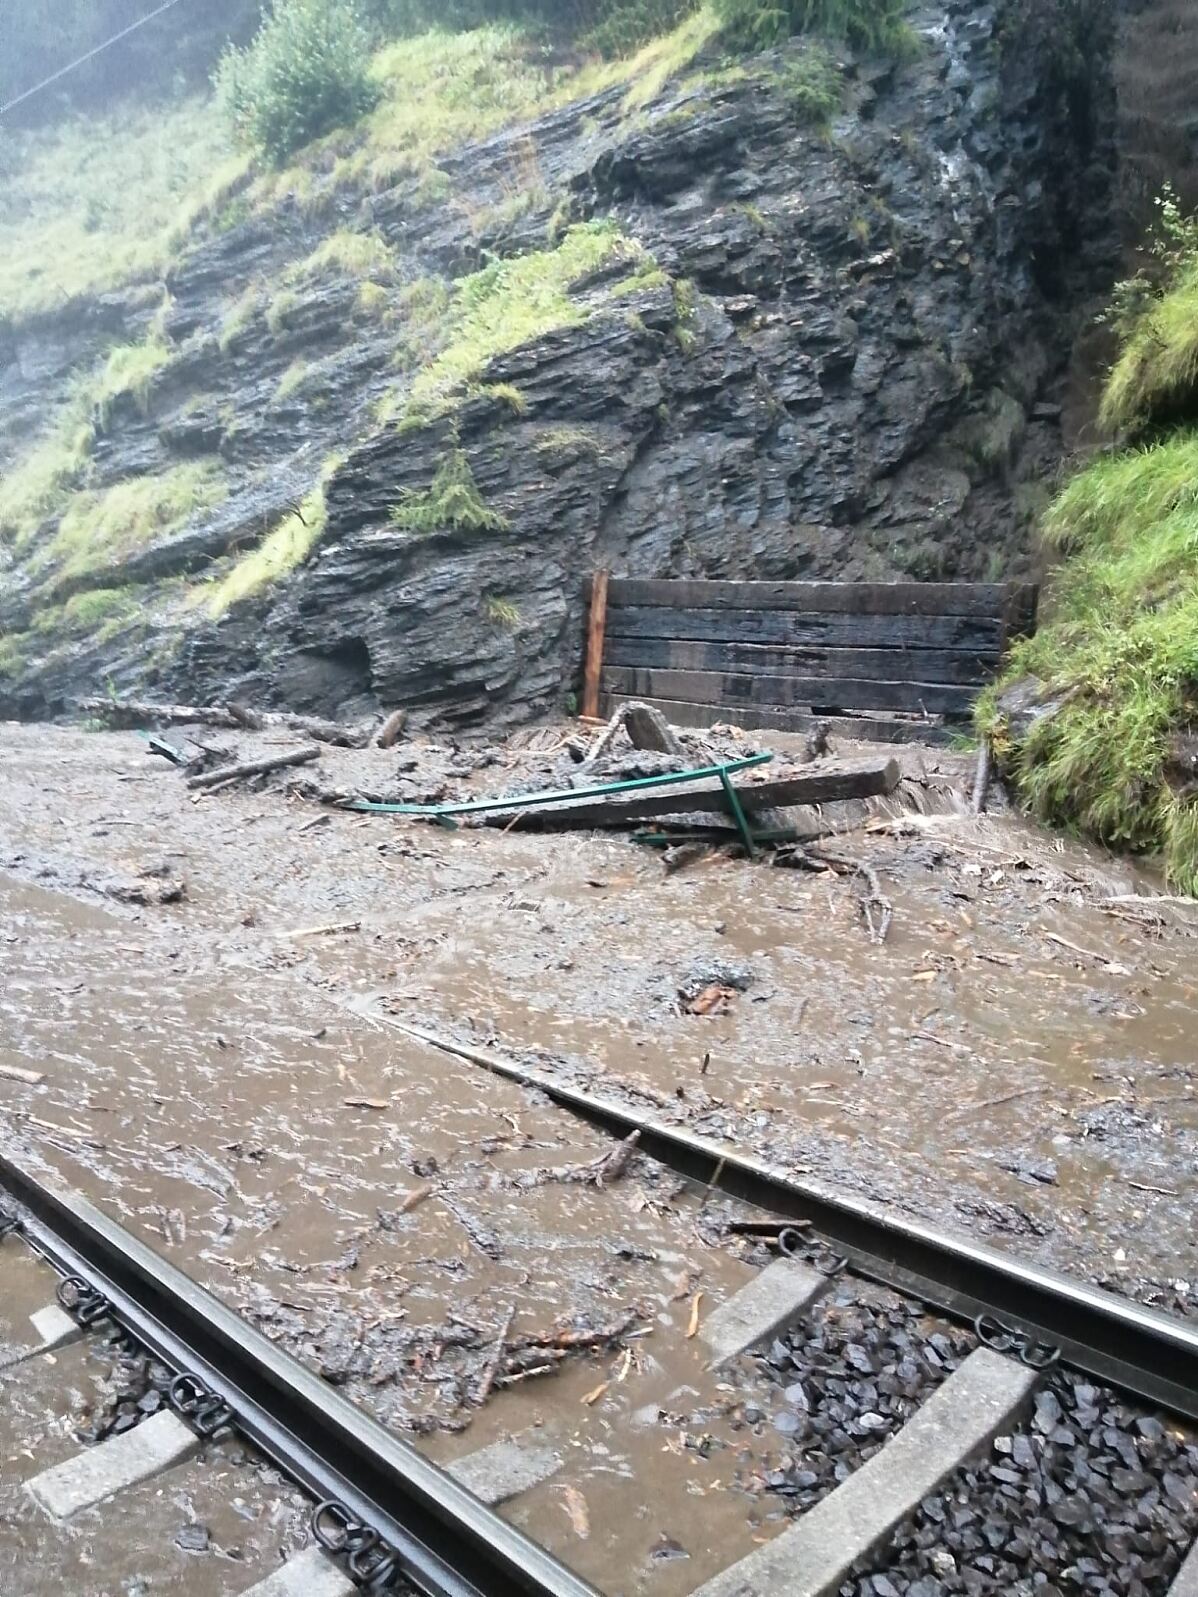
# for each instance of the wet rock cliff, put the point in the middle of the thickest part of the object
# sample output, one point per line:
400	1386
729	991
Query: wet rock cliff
789	350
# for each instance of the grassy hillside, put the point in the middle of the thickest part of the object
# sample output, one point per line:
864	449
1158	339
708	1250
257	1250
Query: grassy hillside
1119	651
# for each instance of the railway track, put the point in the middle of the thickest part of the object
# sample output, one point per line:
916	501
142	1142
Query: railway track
916	1393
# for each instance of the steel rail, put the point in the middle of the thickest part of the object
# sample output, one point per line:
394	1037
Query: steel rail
448	1543
1147	1353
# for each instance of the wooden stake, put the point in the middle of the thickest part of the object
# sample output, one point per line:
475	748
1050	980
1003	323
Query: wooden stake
596	633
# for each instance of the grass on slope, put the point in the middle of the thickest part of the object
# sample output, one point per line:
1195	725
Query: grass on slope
99	528
511	302
1157	372
99	202
1120	648
441	90
1122	643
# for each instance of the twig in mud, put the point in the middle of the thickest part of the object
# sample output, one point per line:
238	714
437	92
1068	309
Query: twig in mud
1164	1192
692	1329
233	773
1007	1097
1143	898
570	1339
485	1241
876	909
491	1369
981	781
596	1172
28	1078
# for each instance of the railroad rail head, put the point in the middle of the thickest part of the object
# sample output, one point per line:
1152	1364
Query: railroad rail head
393	1515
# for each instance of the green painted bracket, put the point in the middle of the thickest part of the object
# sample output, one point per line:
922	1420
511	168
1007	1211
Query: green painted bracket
527	801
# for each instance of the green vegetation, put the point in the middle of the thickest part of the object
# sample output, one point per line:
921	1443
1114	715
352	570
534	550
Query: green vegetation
502	612
39	485
509	303
280	313
505	394
363	255
1157	314
452	500
98	528
876	25
813	82
99	202
129	371
373	301
279	553
305	72
1119	654
292	380
240	317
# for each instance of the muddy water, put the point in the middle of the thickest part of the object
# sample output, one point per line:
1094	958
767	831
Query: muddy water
1015	1060
246	1129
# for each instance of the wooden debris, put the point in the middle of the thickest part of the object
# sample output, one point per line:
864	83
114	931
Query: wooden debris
30	1078
876	909
486	1380
575	1505
981	781
325	931
648	728
592	1397
595	1172
692	1329
236	773
713	1000
859	779
605	739
412	1200
366	1103
391	730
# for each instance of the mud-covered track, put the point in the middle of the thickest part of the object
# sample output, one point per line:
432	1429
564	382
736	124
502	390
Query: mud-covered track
448	1544
415	1526
1151	1355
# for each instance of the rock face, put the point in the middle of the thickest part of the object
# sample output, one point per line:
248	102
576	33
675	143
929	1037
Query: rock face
847	366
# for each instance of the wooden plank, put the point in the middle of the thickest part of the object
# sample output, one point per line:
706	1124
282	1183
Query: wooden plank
859	729
784	692
875	665
1022	608
822	785
595	636
791	630
985	599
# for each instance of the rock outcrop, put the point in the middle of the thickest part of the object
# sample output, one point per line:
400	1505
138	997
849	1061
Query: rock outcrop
833	353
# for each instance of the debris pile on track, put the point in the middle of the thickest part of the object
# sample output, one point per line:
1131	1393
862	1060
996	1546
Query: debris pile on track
850	1377
438	1373
1094	1497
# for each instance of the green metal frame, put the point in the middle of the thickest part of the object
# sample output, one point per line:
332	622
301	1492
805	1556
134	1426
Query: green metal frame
445	813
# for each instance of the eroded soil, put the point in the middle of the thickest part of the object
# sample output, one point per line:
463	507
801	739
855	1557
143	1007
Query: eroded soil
1015	1061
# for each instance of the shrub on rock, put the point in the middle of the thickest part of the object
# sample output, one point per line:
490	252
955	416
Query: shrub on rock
305	72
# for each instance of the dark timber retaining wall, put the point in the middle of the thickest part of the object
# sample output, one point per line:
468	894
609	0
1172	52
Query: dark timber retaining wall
782	654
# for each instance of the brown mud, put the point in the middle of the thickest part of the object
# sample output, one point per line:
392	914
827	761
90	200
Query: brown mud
1015	1061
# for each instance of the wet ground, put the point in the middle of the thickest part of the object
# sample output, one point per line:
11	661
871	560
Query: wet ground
1016	1061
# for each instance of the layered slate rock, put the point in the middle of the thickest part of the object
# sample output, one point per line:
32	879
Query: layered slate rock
849	370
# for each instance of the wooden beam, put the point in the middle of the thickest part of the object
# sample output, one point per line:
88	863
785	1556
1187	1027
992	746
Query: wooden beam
863	779
874	665
971	634
785	692
596	631
989	600
859	729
